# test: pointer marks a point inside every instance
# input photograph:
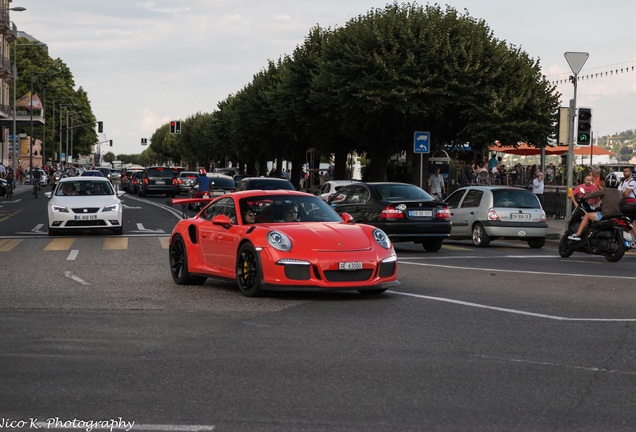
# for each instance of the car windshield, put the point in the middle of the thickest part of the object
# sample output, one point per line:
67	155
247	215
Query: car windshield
222	183
394	192
269	184
84	188
160	172
285	208
514	198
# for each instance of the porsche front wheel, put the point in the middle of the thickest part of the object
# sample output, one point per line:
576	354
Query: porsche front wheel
179	264
248	271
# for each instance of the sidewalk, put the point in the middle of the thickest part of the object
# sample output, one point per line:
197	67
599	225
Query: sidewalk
556	228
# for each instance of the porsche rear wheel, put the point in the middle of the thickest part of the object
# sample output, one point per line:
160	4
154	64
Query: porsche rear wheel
179	264
248	271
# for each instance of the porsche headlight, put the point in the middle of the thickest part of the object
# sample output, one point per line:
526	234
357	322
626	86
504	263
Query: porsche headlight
59	209
279	241
381	238
112	207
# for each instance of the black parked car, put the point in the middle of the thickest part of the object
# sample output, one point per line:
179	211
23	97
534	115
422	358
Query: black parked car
405	212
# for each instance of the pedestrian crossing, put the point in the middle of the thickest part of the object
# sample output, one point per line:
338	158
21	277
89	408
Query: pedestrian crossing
69	243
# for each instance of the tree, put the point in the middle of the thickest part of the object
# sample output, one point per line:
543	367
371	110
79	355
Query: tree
53	82
409	67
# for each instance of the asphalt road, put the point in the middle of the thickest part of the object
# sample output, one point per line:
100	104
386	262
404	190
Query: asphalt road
505	338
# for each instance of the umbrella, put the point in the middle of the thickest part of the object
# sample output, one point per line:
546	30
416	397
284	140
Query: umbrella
592	150
524	149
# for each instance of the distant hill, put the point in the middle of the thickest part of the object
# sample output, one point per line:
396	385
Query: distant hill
623	144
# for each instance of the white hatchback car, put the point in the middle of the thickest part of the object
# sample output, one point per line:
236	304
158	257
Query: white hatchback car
331	187
485	213
84	203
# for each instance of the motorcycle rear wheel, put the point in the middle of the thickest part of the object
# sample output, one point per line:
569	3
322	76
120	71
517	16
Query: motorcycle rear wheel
618	248
564	247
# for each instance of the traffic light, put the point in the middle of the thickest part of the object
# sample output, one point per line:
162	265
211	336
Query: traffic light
177	127
584	129
100	126
110	142
173	126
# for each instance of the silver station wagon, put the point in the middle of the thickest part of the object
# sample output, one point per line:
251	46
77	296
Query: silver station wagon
486	213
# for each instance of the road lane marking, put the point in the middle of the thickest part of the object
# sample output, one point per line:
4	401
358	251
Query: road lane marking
551	364
511	311
543	273
74	277
164	242
60	244
119	243
456	248
7	245
72	255
140	228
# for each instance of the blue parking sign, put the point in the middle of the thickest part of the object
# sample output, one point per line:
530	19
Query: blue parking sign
421	142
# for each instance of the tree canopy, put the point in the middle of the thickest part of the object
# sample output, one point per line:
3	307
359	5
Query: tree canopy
53	81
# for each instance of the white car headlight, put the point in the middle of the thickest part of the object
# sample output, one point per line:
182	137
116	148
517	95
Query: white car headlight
59	209
279	241
381	238
113	207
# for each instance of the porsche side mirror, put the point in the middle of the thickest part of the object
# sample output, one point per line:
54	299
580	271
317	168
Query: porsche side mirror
222	220
347	218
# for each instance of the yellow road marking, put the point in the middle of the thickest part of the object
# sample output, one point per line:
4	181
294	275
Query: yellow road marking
7	245
60	244
164	242
457	248
115	243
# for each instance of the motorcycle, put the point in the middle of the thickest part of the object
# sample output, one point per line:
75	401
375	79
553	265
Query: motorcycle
610	237
197	206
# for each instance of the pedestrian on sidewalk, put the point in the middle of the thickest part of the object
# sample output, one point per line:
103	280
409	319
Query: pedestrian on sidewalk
538	186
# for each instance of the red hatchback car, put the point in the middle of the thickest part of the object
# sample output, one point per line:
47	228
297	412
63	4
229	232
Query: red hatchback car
280	240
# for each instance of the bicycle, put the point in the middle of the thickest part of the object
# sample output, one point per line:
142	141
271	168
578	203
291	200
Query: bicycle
9	191
36	188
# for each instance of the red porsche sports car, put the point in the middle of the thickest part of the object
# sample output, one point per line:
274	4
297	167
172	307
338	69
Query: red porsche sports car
280	240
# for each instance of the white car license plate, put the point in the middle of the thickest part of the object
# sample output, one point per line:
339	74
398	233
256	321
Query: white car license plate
420	213
350	266
85	217
520	216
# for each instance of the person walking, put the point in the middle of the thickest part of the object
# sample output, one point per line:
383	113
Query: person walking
538	186
436	184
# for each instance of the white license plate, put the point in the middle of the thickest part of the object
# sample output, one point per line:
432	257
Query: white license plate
86	217
350	265
420	213
520	216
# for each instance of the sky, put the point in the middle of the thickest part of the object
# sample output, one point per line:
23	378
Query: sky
144	63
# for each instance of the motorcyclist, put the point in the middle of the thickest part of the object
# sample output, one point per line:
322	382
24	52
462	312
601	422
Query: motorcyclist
204	183
610	199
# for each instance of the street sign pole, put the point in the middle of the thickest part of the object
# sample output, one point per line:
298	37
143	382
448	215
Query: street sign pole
576	60
421	145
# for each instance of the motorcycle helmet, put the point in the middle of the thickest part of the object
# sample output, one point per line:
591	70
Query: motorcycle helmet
202	171
611	181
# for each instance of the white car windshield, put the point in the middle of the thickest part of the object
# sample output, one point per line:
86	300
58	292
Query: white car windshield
84	188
